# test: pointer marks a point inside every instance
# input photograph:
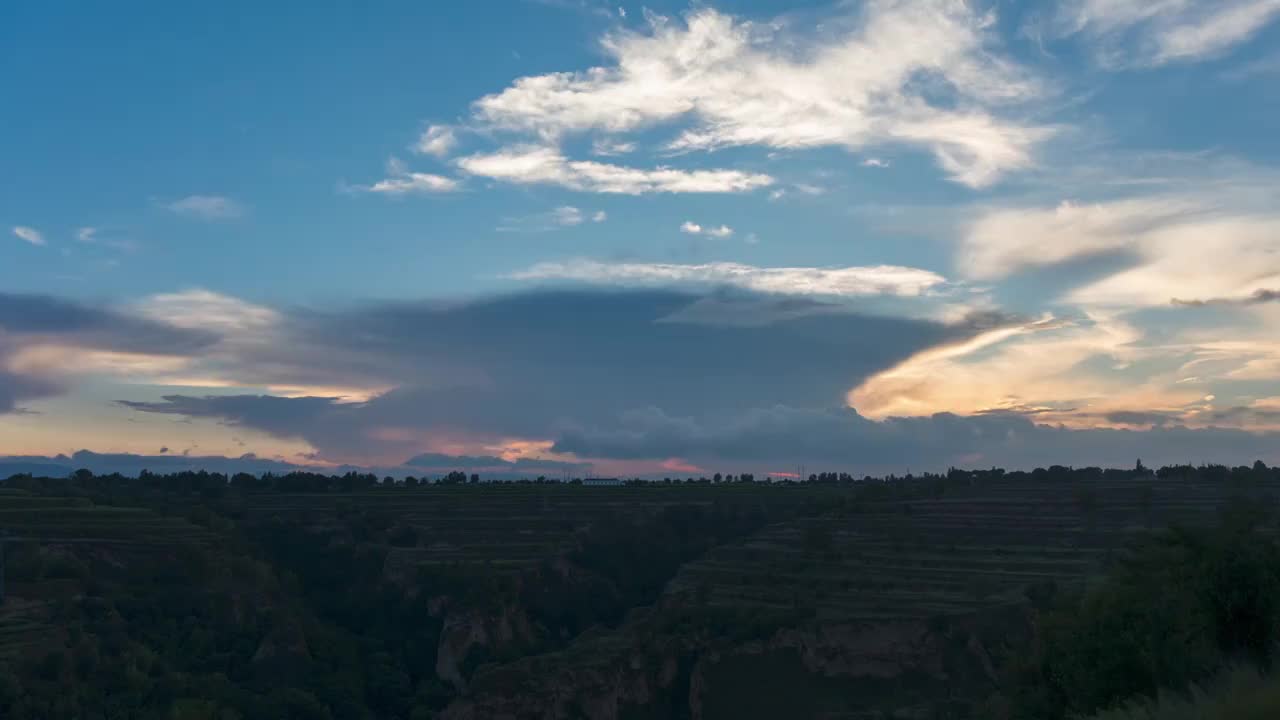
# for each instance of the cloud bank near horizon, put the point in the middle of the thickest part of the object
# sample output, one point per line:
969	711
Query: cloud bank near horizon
545	381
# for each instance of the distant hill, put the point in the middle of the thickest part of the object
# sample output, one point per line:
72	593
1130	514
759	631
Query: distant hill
9	468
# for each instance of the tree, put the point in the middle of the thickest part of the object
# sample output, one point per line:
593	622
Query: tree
1177	609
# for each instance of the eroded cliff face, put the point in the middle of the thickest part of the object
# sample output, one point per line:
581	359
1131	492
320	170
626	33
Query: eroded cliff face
899	669
492	634
598	677
890	667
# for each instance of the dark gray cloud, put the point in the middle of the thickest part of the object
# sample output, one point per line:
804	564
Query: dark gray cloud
1241	415
15	388
525	365
48	317
637	375
426	465
717	379
27	319
621	347
843	438
1256	298
1237	416
1138	417
279	416
132	464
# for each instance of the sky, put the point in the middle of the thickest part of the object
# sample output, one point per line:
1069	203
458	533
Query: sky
566	236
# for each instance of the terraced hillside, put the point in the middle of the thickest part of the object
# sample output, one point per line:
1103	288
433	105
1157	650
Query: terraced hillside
53	546
492	572
198	595
860	607
504	527
955	554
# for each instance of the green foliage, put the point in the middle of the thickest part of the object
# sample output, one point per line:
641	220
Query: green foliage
1179	606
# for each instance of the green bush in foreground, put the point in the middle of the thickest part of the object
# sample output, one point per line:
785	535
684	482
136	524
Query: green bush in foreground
1182	606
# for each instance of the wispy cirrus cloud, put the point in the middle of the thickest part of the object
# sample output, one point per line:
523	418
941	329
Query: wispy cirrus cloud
1085	373
608	148
1160	32
206	207
1033	364
28	234
93	236
539	165
402	181
855	85
560	217
1216	242
839	282
1167	285
437	140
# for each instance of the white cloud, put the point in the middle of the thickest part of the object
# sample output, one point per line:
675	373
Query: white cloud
1002	241
1158	32
530	165
414	182
1038	366
90	236
1214	257
201	309
875	163
564	216
403	182
567	215
438	140
606	147
693	228
802	188
840	281
1187	246
206	207
923	73
1101	368
28	234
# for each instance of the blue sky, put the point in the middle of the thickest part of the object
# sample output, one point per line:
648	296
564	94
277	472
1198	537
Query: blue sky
1065	212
